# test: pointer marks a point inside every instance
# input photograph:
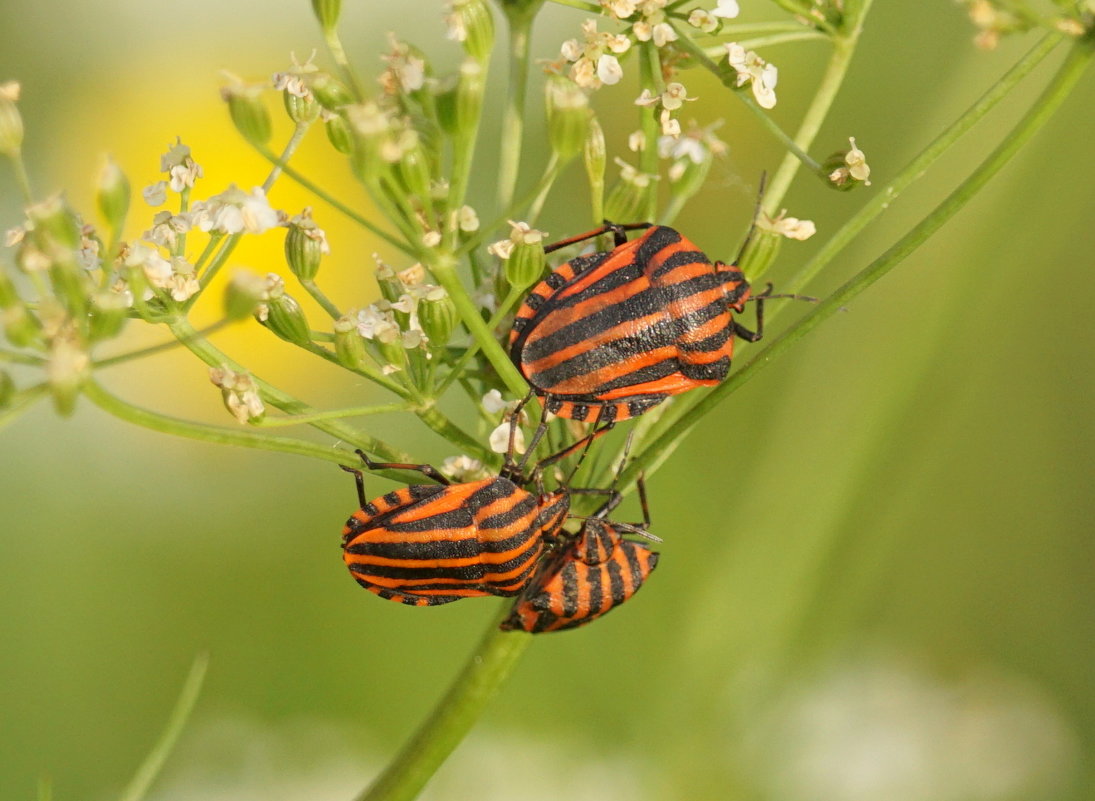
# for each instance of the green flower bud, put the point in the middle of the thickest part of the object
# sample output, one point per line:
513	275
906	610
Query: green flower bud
8	296
627	198
471	23
525	264
331	93
339	134
11	121
444	99
469	95
438	317
327	12
594	153
7	389
243	294
112	195
248	112
567	116
686	177
372	129
390	286
55	225
414	168
107	315
240	394
284	316
760	253
67	368
391	352
305	244
349	344
301	110
20	326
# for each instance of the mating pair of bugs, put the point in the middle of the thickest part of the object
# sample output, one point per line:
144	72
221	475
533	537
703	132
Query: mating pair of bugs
605	337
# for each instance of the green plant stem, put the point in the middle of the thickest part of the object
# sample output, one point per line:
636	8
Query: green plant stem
514	294
150	767
320	298
520	20
356	411
287	153
551	173
882	197
152	350
331	200
166	424
1036	116
282	400
338	54
844	46
21	177
781	38
364	370
21	401
489	665
581	5
20	358
650	77
443	268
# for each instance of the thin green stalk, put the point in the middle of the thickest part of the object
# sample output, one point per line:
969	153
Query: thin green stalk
334	414
21	401
208	251
21	177
320	298
218	435
457	370
338	55
287	153
781	38
551	174
650	77
844	47
365	371
229	244
213	357
331	200
1059	88
581	5
20	358
513	120
453	716
883	197
433	418
150	768
443	268
152	350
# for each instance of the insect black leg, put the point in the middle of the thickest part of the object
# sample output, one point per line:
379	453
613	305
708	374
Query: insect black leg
617	231
425	469
360	481
756	216
584	442
745	333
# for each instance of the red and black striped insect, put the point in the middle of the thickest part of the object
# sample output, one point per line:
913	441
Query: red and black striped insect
609	335
429	544
588	575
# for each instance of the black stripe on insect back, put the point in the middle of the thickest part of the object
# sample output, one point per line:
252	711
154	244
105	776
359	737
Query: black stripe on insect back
656	238
570	590
411	575
680	259
596	594
609	282
411	550
616	582
454	519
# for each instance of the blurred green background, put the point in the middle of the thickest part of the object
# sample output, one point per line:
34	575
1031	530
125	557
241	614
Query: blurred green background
878	577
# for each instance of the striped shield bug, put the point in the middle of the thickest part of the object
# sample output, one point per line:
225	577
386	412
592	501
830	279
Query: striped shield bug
609	335
586	576
429	544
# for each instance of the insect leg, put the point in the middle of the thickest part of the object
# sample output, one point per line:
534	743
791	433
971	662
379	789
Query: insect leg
425	469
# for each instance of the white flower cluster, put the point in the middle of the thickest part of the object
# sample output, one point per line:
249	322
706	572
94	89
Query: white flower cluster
593	61
395	134
790	227
651	25
240	393
493	403
855	167
708	21
293	80
175	275
696	146
406	71
754	71
670	100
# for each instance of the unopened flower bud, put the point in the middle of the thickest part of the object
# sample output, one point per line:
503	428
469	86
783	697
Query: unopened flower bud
112	194
414	168
525	264
594	152
471	23
243	294
760	253
8	296
305	244
302	109
327	12
331	93
847	169
438	316
391	352
7	389
338	134
11	121
107	315
349	344
567	116
19	326
248	112
469	95
55	224
67	368
445	98
390	286
284	316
